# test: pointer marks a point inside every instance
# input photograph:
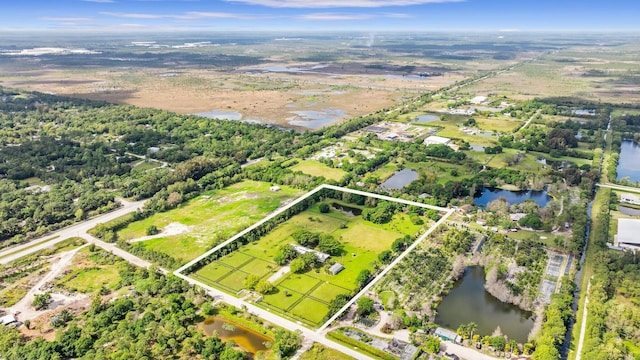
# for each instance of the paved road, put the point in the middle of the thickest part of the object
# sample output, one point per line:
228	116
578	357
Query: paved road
583	326
77	230
620	187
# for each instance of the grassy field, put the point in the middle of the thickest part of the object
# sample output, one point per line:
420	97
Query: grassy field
316	168
305	297
319	352
91	271
211	217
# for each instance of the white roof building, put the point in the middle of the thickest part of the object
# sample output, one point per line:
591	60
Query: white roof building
436	140
628	236
629	199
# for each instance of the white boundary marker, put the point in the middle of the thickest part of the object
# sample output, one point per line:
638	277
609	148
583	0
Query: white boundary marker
297	201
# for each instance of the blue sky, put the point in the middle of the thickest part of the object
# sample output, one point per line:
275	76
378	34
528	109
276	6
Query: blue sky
368	15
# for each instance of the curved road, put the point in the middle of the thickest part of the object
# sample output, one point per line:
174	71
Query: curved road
76	230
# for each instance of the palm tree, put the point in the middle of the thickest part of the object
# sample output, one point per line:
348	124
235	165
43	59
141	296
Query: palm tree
471	328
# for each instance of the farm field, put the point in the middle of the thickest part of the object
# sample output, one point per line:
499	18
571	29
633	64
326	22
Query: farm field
305	296
209	218
316	168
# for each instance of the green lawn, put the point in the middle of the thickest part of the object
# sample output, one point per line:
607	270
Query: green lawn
282	299
327	291
212	218
316	168
312	310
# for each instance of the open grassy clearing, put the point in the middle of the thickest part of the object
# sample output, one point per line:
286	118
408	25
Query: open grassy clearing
316	168
211	217
305	297
319	352
91	271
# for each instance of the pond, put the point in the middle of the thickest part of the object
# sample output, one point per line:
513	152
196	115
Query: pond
422	119
629	163
468	301
628	211
513	197
250	340
400	179
313	119
351	211
221	114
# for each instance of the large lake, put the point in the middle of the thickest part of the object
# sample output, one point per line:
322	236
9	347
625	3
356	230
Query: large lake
629	163
513	197
468	301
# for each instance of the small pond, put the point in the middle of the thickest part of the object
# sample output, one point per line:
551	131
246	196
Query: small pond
351	211
221	114
629	163
628	211
400	179
422	119
313	119
250	340
468	301
513	197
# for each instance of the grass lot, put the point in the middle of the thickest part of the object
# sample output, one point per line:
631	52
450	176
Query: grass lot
440	171
316	168
90	271
387	298
319	352
305	297
212	217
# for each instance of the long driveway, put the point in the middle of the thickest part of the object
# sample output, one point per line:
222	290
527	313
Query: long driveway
620	187
76	230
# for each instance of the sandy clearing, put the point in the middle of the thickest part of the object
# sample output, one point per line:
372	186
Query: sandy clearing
59	263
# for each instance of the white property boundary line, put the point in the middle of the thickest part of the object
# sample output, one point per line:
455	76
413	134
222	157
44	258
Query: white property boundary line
297	201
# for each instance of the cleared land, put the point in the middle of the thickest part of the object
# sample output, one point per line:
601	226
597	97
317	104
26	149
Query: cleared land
316	168
211	217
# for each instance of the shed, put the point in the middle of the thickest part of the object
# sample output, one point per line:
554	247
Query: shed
447	335
336	268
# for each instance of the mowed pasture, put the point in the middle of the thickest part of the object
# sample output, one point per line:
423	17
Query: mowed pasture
210	218
305	297
316	168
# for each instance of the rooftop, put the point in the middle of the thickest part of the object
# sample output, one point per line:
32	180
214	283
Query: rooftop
627	237
434	139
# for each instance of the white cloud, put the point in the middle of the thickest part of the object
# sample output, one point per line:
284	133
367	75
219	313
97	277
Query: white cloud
134	15
66	19
333	17
318	4
210	15
193	15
